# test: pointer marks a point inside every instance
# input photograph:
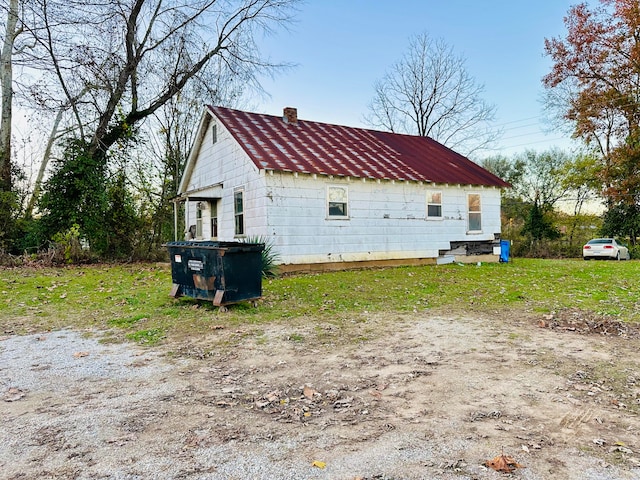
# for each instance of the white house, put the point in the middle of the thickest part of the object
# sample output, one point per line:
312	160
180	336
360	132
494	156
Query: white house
330	196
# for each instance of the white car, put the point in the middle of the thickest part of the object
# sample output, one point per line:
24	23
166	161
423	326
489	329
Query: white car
605	248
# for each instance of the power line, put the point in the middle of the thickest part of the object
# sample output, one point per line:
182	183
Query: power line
539	141
518	121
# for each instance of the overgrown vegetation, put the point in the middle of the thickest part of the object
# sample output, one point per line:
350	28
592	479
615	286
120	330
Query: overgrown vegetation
119	114
132	301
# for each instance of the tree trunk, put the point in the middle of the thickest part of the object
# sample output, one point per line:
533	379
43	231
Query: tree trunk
6	84
43	165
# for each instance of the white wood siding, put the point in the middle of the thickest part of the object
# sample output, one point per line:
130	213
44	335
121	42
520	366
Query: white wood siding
387	220
225	162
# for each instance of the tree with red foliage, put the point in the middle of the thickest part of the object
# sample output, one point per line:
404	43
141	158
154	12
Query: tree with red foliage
597	65
596	69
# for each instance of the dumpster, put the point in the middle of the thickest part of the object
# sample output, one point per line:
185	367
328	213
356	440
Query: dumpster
505	250
220	272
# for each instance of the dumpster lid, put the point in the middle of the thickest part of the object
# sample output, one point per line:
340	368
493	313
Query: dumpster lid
215	245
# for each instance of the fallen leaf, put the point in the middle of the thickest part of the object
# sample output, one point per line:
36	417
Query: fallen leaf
319	464
503	463
81	354
308	392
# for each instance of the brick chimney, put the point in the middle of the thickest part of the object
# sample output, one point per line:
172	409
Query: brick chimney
290	115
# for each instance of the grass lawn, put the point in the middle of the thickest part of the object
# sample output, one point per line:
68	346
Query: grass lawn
131	301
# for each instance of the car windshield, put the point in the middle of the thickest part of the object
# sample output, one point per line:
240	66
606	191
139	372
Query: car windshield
600	241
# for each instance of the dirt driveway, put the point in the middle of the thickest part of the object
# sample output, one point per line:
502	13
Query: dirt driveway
400	397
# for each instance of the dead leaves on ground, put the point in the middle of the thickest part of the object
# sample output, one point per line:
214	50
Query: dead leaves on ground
503	463
305	403
308	392
587	323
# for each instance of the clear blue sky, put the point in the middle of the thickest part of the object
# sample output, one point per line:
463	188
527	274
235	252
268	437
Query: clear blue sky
341	47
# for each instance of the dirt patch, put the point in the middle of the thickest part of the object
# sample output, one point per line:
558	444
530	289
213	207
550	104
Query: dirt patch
386	397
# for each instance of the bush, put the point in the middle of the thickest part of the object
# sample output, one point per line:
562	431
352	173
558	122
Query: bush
270	258
67	247
634	251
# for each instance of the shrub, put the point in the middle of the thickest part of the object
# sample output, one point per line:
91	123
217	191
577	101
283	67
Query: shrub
68	246
270	257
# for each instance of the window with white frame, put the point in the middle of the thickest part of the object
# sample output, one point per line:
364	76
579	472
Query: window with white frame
337	202
434	204
238	210
214	133
200	208
474	223
214	219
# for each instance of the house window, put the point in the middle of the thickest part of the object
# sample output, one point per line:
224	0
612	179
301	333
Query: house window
337	199
200	207
214	133
238	210
434	204
214	219
475	212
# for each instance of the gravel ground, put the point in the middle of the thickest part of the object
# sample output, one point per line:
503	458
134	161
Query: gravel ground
56	361
435	399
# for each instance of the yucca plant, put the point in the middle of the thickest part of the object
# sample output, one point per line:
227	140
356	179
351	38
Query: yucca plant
270	257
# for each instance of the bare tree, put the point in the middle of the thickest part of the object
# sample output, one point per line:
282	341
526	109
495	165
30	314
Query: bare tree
132	57
114	66
169	134
543	179
11	31
430	93
44	162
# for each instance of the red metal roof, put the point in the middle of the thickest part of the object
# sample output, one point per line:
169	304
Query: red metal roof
325	149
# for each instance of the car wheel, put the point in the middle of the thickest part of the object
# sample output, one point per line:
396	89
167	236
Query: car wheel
617	255
586	258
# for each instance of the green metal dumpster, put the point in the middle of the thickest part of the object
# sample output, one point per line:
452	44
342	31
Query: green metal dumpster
221	272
